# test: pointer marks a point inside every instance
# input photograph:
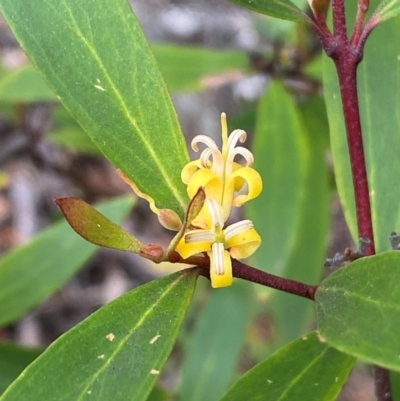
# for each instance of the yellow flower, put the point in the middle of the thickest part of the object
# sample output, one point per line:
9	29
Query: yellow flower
238	240
221	177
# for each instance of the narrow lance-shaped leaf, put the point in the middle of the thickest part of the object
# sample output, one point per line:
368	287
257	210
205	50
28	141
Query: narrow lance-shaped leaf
282	162
115	354
95	227
306	369
93	54
32	272
358	309
213	350
282	9
193	68
294	315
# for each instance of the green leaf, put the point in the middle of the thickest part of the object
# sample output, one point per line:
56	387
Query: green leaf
387	9
69	134
377	85
395	385
95	227
358	309
283	9
31	273
214	348
192	68
93	54
25	85
281	156
116	353
159	394
313	69
306	369
13	360
75	139
293	315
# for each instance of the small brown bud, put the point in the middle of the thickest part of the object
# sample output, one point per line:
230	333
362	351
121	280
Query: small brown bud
319	7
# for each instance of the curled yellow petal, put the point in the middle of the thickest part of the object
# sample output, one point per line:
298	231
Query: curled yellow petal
186	249
254	184
213	188
243	244
205	178
189	170
220	278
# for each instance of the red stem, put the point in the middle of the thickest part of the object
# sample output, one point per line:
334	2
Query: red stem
246	272
346	57
346	61
339	21
243	271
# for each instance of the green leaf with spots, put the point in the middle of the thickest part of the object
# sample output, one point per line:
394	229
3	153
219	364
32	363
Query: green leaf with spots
94	56
306	369
358	309
115	354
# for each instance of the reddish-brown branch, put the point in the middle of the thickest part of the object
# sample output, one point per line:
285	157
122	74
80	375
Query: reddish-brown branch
339	21
346	61
362	9
243	271
246	272
346	56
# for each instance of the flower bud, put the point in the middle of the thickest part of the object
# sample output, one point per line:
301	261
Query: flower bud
319	7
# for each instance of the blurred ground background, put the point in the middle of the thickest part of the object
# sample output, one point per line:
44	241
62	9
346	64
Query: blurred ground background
38	169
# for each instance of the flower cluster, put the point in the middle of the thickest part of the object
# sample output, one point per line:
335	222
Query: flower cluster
226	184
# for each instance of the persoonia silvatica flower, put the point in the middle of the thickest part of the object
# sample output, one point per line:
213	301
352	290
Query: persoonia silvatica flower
218	173
239	240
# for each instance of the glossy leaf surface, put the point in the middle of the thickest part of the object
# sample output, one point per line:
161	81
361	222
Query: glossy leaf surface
283	9
32	272
378	82
294	373
95	227
358	310
116	353
94	56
